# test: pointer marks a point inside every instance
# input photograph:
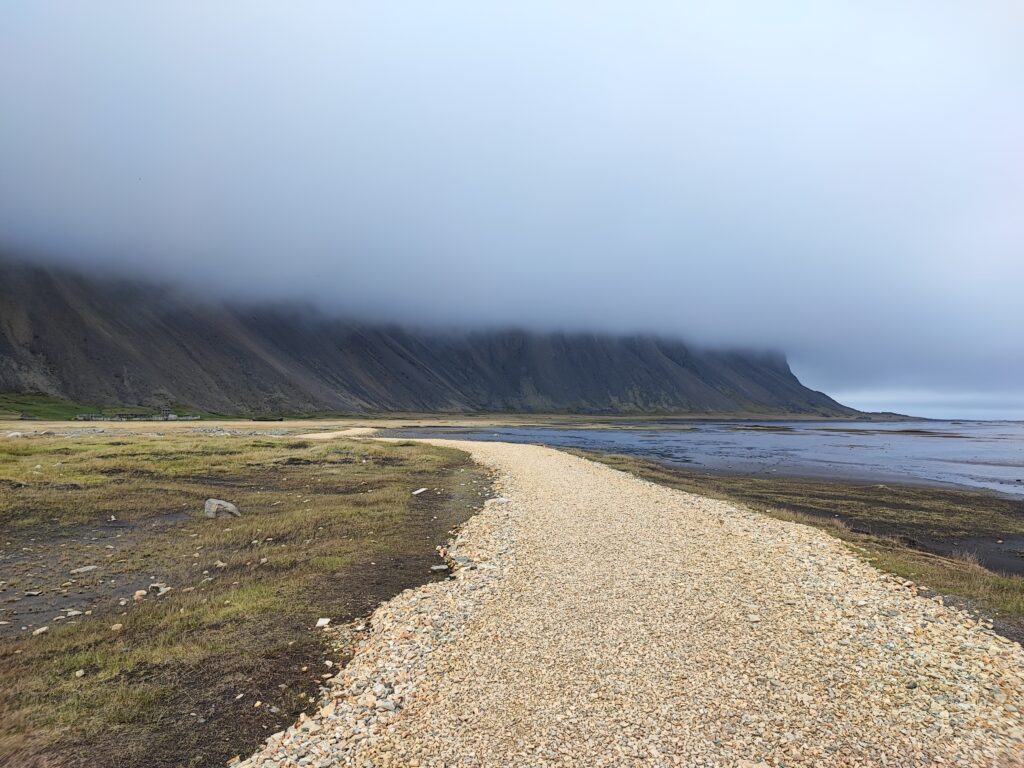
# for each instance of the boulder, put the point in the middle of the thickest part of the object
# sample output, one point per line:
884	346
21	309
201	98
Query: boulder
218	508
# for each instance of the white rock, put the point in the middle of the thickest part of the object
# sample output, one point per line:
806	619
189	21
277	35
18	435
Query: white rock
218	507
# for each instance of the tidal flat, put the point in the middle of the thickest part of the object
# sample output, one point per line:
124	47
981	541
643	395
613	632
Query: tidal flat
137	632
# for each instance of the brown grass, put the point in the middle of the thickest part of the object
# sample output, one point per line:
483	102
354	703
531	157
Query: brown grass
328	529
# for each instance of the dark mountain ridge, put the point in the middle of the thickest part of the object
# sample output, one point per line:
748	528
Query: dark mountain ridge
109	341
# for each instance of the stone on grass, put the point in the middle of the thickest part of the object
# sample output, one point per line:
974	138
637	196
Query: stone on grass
220	508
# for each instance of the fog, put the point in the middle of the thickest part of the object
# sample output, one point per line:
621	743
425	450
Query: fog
841	181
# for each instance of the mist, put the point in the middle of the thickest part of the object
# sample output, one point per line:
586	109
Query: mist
843	182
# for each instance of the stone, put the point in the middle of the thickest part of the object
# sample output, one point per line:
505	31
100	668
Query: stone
321	623
80	673
40	631
116	627
214	508
83	569
843	655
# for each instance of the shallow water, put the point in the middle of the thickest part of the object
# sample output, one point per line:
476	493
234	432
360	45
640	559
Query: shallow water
974	454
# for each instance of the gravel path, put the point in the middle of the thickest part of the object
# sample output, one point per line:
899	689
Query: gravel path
602	620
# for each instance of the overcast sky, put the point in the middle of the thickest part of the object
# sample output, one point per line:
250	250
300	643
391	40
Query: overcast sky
840	180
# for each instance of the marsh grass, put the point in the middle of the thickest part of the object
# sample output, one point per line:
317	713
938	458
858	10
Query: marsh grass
328	529
877	521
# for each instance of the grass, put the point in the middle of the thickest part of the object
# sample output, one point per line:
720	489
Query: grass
329	528
37	406
877	521
14	405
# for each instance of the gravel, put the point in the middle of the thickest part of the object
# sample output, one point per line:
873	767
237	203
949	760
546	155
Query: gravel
597	619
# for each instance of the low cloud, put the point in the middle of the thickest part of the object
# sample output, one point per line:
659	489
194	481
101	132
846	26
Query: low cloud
842	182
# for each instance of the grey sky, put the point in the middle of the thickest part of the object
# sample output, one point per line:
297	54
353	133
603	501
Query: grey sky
844	180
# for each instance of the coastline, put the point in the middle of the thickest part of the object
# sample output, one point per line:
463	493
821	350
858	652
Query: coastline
939	558
463	694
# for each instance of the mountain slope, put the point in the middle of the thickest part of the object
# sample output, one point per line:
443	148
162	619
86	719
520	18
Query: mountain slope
101	341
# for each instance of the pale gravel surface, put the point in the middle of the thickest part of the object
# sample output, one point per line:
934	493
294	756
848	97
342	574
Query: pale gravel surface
610	621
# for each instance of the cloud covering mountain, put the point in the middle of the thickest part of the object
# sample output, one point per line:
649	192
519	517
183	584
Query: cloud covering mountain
841	181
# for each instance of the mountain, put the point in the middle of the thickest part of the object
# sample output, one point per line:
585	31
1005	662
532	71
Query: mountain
108	341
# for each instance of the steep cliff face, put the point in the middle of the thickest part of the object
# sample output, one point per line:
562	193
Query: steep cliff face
103	341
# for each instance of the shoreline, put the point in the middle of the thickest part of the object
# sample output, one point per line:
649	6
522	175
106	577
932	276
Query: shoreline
982	456
466	727
782	488
958	574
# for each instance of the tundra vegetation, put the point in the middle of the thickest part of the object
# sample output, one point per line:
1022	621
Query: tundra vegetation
222	649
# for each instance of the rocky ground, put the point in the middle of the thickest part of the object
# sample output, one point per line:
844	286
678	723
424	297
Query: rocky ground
597	619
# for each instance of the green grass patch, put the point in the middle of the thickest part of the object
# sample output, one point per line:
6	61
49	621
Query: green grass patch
38	406
328	529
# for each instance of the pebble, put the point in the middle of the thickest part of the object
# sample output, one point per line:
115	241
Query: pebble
548	657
